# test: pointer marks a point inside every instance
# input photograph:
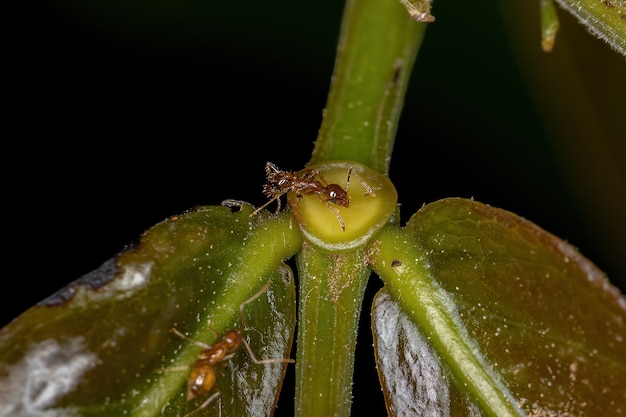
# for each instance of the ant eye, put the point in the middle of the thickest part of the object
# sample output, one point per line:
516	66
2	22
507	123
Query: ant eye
281	182
332	194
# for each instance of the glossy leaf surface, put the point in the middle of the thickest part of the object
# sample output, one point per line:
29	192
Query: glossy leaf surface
104	345
540	318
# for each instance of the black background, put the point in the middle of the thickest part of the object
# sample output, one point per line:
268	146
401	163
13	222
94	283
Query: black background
123	114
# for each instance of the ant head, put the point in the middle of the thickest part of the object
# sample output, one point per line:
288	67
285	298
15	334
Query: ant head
336	195
231	339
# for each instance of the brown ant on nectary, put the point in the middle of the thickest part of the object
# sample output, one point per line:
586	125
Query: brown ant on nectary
307	182
203	375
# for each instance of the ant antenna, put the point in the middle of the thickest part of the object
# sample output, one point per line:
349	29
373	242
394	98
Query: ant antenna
365	185
249	300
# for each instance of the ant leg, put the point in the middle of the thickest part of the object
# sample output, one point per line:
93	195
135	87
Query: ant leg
195	342
277	199
249	300
264	361
312	174
365	185
217	334
335	212
173	369
245	342
205	403
298	199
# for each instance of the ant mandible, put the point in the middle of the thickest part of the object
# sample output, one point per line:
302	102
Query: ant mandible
203	376
308	182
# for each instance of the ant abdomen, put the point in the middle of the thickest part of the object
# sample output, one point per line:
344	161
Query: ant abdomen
201	380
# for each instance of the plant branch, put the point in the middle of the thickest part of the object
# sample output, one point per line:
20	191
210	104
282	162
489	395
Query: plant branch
376	51
331	298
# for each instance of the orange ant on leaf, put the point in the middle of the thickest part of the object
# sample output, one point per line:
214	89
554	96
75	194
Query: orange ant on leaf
307	182
203	375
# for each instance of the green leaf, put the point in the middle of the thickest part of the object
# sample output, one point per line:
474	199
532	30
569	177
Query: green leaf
514	312
104	345
605	19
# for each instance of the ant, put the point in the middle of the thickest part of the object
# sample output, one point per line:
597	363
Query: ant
203	376
308	182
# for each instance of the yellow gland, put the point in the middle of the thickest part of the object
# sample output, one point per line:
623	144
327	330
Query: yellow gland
326	222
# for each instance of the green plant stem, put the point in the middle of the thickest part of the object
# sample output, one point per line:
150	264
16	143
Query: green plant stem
376	51
331	295
377	48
